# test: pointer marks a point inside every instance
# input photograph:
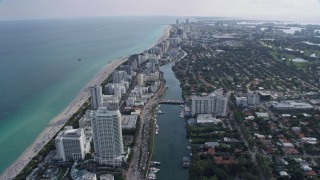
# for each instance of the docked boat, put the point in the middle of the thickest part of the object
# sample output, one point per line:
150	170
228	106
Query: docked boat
155	163
152	176
160	112
157	128
155	170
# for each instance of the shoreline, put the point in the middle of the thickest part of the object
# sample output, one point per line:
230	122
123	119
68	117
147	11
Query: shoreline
59	121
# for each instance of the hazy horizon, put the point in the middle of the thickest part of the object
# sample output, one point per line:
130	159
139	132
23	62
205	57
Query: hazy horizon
285	10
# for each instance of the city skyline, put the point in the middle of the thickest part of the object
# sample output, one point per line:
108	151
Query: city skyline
249	9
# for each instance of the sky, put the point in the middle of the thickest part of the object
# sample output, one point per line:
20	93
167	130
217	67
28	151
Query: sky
300	10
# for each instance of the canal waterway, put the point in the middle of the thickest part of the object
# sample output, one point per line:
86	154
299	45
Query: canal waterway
171	143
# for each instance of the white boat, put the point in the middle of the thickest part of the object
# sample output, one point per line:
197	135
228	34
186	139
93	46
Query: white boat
155	163
160	112
153	169
157	132
152	177
188	147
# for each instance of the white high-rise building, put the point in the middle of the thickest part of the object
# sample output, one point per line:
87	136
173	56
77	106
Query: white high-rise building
119	90
242	101
253	99
71	144
108	89
107	136
215	104
140	79
96	97
119	76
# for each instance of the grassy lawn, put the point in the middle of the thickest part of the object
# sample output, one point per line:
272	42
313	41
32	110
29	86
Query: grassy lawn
288	61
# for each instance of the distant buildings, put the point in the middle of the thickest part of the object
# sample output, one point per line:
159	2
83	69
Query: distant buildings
71	144
215	103
253	99
290	105
164	45
119	76
107	136
116	88
242	101
174	41
128	69
140	80
96	97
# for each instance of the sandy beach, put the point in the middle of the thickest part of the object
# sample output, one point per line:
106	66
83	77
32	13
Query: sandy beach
58	122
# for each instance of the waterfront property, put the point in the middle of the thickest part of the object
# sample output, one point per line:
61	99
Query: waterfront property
107	136
96	97
71	144
215	103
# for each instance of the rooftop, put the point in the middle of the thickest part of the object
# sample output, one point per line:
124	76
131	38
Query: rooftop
129	121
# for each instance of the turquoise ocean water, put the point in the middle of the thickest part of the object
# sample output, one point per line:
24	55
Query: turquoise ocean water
40	73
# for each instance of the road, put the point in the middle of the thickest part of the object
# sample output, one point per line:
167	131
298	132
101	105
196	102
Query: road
251	152
136	171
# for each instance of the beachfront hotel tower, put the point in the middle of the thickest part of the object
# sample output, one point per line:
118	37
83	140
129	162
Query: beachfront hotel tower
71	145
96	97
107	136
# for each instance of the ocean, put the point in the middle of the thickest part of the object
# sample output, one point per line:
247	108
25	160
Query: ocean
40	70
